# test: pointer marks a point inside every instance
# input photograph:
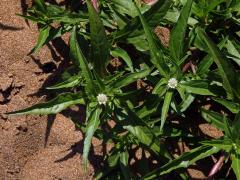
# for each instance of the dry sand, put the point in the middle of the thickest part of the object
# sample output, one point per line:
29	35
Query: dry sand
23	154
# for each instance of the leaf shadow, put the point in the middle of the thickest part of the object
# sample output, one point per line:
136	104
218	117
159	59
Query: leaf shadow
77	148
6	27
60	54
24	6
57	46
50	121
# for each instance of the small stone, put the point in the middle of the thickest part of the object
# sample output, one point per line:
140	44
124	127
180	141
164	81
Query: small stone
5	83
3	110
2	99
26	60
10	75
23	128
19	84
6	126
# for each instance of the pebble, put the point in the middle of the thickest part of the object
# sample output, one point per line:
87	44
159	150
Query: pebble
5	83
2	99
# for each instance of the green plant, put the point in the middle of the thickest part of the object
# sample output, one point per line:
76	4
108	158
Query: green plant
181	82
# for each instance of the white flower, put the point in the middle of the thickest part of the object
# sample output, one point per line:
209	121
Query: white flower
90	66
172	83
102	99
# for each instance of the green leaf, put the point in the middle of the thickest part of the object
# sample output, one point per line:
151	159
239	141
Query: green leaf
233	49
183	161
61	15
170	132
224	144
43	36
54	106
129	78
207	61
99	43
236	127
226	69
157	55
146	137
144	134
236	163
157	12
118	52
33	19
214	118
231	106
201	87
183	106
124	7
153	16
211	5
69	83
40	5
149	107
80	61
165	108
124	156
92	126
177	37
162	84
113	159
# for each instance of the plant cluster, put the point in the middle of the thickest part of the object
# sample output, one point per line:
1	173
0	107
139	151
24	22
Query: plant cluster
158	87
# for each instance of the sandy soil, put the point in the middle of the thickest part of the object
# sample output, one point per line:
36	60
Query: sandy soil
23	151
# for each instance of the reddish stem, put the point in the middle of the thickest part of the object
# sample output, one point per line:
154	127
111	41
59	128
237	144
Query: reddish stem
217	166
187	66
152	2
95	5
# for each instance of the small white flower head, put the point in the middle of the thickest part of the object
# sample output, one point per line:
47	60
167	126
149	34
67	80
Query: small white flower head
90	66
172	83
102	99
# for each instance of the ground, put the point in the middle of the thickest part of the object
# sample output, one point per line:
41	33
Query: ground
23	151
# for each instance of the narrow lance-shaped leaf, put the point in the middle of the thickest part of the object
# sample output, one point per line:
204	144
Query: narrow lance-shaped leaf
124	156
130	78
183	161
226	69
211	5
153	17
43	36
145	135
40	4
223	143
178	33
118	52
207	61
165	108
80	61
231	106
236	163
54	106
99	43
124	7
213	118
235	128
183	106
70	82
92	126
201	87
157	57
